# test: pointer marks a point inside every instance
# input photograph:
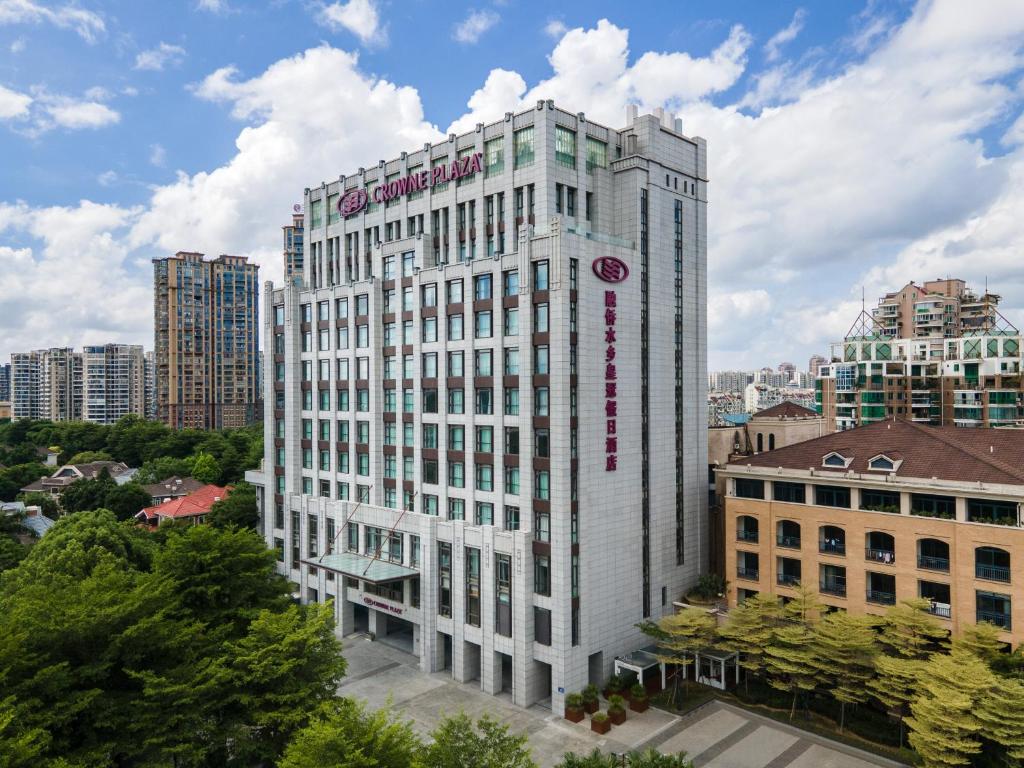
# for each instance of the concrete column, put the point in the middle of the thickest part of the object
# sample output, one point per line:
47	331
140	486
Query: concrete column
344	611
854	498
378	623
491	673
961	509
904	503
465	661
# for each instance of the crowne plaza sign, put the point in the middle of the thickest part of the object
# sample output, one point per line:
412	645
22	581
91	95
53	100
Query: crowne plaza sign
353	201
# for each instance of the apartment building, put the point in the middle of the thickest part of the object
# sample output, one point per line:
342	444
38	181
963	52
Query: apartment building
935	309
293	246
5	382
882	513
486	400
206	341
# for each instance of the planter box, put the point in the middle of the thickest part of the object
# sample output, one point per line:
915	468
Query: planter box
639	705
591	707
617	718
597	727
574	715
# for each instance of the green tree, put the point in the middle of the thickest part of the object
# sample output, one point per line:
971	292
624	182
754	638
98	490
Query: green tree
85	457
126	501
16	477
458	742
12	552
944	726
679	637
1001	712
748	630
239	509
159	469
45	501
895	685
649	758
790	661
19	748
284	669
982	640
845	649
803	609
205	468
345	735
908	630
87	495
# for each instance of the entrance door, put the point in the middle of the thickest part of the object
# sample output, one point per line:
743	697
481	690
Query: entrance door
361	618
506	673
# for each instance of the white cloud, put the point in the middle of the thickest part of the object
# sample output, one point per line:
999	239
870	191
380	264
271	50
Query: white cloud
471	28
157	155
785	35
87	24
107	178
360	17
157	58
213	6
13	104
555	28
18	46
76	114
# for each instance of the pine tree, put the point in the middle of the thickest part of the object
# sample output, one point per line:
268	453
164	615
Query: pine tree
803	609
749	629
982	640
1001	712
681	635
845	647
908	630
945	729
791	662
895	684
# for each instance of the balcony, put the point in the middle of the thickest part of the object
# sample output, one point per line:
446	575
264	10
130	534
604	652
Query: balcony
750	574
992	572
998	618
927	563
833	588
881	598
886	556
788	580
942	610
832	548
748	536
790	542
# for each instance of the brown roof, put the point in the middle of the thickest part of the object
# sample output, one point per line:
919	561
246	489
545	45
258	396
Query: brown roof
173	486
943	453
786	410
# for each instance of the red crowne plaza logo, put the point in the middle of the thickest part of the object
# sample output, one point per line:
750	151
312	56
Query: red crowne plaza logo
352	202
611	269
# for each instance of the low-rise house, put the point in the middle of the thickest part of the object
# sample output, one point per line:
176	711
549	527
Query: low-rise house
72	473
193	508
34	520
173	487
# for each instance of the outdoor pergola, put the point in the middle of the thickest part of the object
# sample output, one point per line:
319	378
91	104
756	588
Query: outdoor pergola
710	667
640	661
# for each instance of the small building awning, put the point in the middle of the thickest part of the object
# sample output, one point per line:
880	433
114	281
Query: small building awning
362	567
645	658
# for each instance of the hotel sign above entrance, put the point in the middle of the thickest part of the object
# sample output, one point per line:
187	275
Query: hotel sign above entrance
355	200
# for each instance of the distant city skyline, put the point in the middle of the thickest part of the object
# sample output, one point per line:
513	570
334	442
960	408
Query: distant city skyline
134	133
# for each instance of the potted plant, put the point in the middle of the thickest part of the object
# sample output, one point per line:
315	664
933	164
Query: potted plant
617	710
590	699
613	686
638	698
574	707
599	723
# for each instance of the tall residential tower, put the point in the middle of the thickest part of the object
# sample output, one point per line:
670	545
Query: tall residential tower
486	422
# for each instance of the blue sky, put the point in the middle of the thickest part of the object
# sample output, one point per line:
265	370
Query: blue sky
851	143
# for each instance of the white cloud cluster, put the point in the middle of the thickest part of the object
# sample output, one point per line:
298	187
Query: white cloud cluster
473	27
773	48
13	104
155	59
87	24
870	175
43	111
360	17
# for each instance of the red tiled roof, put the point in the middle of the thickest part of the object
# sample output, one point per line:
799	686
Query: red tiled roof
194	504
943	453
786	410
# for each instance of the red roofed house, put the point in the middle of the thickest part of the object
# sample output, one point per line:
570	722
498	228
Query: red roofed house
194	508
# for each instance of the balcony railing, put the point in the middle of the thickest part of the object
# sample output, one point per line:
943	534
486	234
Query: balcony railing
833	588
744	535
886	556
793	542
788	579
929	563
992	572
832	547
752	574
942	610
995	617
882	598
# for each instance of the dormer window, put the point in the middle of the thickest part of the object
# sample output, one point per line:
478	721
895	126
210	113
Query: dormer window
835	461
883	463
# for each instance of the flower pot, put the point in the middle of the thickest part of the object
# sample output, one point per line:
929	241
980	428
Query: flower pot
600	726
574	715
590	707
617	717
639	705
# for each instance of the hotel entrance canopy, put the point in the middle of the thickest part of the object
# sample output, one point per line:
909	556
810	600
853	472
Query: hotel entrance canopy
362	567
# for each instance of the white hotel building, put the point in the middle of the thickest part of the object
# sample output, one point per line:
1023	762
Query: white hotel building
486	422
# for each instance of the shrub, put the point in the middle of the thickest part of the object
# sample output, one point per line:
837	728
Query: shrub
574	701
600	717
616	704
615	683
590	694
638	691
709	586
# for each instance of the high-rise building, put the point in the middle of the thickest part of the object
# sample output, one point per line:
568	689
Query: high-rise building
486	419
881	514
293	246
960	366
150	379
100	384
5	382
814	365
207	341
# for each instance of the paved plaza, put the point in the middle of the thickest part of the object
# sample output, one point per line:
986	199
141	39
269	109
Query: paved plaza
716	735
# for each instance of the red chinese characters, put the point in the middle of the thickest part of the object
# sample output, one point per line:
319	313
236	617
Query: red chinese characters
611	384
